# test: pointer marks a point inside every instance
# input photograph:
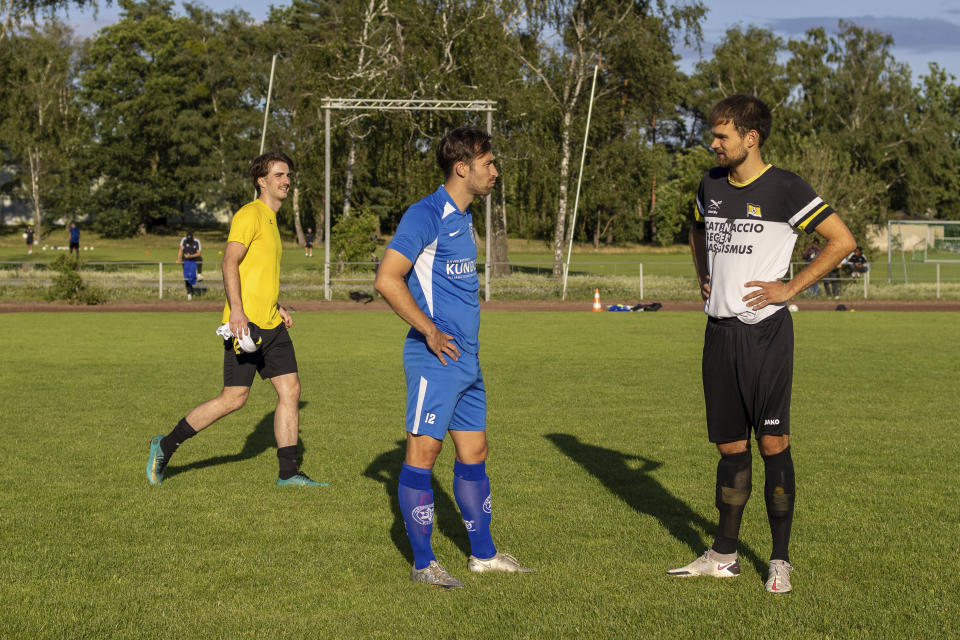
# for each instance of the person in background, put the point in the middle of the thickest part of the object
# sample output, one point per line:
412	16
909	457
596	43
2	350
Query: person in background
308	239
809	255
74	238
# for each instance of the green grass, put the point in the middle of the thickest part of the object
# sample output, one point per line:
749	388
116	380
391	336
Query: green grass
602	479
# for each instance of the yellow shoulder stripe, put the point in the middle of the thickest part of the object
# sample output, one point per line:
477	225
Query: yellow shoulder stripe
813	215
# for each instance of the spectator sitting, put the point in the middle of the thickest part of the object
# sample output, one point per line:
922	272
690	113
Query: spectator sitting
857	263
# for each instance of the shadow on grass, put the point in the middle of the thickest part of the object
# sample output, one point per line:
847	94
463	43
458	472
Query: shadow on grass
258	441
385	468
645	495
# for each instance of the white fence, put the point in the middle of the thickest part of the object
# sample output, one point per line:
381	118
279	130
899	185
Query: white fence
165	277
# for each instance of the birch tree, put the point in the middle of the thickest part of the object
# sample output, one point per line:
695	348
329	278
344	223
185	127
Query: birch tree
41	107
573	36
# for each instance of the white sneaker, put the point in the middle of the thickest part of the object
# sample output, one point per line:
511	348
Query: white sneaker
779	580
708	565
503	562
436	575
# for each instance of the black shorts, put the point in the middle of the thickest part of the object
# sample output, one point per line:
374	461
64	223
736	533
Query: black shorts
308	245
75	245
747	377
275	357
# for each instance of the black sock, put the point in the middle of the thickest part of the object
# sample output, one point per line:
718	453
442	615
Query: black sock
733	491
176	437
779	492
287	457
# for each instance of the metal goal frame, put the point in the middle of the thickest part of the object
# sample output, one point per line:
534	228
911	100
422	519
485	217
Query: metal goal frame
365	104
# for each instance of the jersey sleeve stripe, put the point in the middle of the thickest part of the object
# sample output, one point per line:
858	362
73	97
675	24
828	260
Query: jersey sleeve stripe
698	211
816	218
800	215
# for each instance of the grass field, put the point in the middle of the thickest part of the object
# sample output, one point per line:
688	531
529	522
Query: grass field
602	479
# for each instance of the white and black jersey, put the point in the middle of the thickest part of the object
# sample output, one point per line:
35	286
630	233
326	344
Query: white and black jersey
190	246
751	229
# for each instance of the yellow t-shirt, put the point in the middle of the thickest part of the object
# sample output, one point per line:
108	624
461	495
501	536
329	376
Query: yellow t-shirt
255	227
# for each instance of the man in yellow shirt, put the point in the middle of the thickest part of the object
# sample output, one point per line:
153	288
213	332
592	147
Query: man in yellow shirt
251	278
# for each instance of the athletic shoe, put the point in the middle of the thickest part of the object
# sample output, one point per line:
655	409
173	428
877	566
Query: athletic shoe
779	580
501	562
157	462
436	575
300	480
707	565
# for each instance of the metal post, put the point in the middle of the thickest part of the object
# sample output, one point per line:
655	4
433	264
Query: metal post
938	281
486	259
889	252
266	111
641	281
160	264
326	204
866	283
576	199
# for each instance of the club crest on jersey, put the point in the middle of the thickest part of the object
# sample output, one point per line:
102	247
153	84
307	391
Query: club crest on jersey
423	514
753	210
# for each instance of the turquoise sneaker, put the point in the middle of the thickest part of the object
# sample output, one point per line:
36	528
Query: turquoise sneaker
157	462
300	480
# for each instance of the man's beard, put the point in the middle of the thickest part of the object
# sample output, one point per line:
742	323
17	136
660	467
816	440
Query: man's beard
732	162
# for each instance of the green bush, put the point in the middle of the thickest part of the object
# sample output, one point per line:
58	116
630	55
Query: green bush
355	239
68	285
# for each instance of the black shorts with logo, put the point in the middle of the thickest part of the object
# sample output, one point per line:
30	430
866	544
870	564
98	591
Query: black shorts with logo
275	357
747	377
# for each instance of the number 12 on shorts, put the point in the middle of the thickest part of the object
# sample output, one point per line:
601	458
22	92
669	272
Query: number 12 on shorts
429	418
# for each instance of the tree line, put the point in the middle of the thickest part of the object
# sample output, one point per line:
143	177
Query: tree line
156	117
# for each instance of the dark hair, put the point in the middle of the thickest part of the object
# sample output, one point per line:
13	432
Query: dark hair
260	166
463	144
746	112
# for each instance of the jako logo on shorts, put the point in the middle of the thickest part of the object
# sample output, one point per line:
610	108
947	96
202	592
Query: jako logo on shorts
423	514
468	524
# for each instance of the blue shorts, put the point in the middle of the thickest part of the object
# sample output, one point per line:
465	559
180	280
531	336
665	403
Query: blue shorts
443	397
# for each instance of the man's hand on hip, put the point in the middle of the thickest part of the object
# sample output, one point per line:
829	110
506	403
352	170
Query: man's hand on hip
768	293
441	343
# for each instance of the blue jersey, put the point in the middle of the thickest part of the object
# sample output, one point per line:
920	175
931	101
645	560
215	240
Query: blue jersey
438	239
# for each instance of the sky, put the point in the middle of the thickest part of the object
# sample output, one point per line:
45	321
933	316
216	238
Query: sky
924	31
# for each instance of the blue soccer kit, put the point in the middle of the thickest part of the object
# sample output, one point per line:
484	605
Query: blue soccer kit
438	239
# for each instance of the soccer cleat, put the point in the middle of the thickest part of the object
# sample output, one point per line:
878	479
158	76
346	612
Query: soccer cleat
707	565
157	462
779	580
300	480
503	562
436	575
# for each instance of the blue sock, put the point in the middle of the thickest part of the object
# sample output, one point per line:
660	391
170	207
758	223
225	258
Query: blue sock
416	506
471	488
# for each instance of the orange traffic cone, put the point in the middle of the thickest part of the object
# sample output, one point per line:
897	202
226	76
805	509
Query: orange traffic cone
596	300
